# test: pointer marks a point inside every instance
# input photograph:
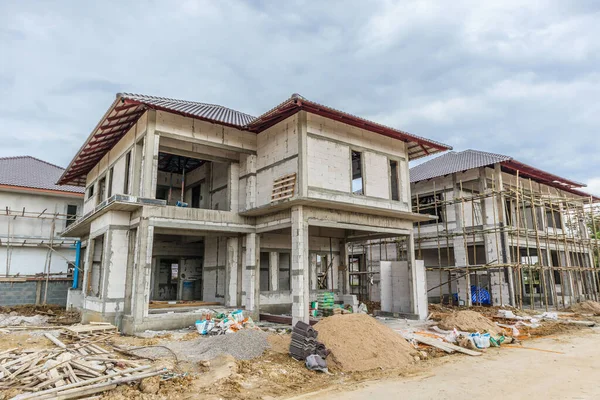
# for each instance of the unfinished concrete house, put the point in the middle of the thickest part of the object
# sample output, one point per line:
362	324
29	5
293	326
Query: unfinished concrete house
506	232
36	262
188	201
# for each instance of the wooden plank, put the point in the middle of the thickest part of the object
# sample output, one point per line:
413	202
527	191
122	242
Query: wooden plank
78	329
155	305
82	383
55	341
447	347
287	182
282	198
283	192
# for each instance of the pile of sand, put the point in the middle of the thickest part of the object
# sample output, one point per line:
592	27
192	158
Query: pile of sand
469	321
280	343
587	307
360	343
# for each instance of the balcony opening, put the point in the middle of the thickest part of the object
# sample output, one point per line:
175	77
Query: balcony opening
191	182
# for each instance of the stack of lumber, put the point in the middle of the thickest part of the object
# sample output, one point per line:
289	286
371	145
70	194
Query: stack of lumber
67	371
91	329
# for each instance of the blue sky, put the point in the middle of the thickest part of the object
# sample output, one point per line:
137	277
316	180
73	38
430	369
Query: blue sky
511	77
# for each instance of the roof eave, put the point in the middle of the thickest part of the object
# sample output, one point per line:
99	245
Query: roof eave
292	106
541	176
89	138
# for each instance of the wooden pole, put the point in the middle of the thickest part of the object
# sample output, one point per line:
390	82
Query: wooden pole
49	258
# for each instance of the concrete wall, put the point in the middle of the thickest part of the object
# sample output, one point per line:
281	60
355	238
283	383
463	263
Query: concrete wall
32	292
205	132
329	147
277	152
329	164
215	259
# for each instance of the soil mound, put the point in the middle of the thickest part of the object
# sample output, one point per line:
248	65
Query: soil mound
280	343
587	307
469	321
360	343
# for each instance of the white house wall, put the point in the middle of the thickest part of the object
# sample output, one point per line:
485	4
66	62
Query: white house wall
29	260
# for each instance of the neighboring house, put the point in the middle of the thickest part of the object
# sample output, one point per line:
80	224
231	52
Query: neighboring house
34	211
194	201
488	235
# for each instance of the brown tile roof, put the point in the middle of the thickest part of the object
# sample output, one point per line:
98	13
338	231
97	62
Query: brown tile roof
128	107
30	172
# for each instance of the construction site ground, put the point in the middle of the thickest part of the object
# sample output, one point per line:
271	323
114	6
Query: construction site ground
557	361
566	369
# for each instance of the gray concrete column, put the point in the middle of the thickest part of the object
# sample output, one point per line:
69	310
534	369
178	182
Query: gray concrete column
251	275
302	182
142	271
273	271
233	184
461	260
250	189
150	157
300	284
463	284
343	269
231	272
313	271
418	285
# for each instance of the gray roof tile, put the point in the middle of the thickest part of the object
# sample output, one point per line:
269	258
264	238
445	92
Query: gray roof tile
452	162
30	172
202	110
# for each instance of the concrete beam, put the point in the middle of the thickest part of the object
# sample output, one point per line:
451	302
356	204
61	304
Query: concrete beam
206	226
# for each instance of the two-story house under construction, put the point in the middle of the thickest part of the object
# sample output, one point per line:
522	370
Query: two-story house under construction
506	232
193	201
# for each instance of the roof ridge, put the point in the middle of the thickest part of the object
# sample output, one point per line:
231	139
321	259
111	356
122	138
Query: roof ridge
488	152
127	94
33	158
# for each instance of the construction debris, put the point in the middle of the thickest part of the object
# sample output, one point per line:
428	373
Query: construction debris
68	371
219	323
445	346
587	307
469	321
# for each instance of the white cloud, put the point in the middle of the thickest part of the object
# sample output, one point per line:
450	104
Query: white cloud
503	76
593	186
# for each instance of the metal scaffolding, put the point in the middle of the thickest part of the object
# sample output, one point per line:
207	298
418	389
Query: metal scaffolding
544	242
51	242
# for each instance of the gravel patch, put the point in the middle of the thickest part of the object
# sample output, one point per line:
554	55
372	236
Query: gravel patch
242	345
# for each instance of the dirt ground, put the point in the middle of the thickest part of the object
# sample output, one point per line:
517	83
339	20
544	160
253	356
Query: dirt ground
275	375
563	367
